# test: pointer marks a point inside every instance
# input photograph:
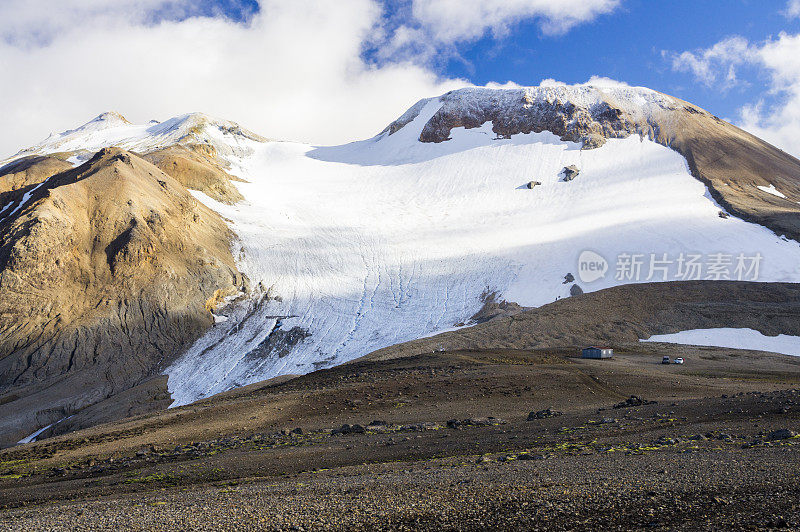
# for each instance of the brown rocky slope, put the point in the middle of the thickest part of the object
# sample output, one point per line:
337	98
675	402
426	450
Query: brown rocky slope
625	314
197	167
30	170
104	275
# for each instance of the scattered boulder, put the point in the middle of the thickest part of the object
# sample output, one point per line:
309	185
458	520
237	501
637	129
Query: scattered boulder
298	430
543	414
570	172
474	422
782	434
378	426
420	427
724	215
575	290
569	278
349	429
634	400
533	184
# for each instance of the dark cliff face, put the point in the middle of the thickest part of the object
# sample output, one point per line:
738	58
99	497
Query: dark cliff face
523	113
105	275
729	161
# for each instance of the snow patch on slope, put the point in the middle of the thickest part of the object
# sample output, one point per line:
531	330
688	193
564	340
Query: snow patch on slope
22	202
771	190
733	338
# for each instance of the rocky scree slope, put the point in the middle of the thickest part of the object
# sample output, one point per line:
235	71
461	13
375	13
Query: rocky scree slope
107	270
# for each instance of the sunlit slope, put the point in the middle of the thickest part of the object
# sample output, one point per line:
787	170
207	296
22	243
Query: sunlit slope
378	242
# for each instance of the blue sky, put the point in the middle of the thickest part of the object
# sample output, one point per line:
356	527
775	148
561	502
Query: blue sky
628	44
330	71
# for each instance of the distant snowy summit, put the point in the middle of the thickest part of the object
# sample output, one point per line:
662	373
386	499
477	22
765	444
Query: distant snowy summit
579	113
113	129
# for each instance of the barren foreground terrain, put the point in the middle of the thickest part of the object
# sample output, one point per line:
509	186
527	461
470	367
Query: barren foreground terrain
442	441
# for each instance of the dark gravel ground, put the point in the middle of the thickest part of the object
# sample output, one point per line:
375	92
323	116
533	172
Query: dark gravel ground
721	462
709	488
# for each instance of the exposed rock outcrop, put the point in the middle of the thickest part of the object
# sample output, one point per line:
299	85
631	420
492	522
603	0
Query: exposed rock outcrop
530	110
104	276
494	307
575	290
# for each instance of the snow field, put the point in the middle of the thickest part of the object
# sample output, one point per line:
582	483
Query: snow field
733	338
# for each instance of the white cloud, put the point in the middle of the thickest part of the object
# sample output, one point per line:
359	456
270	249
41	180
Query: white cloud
793	8
715	66
507	85
775	117
602	81
457	20
778	123
32	22
295	70
431	29
594	81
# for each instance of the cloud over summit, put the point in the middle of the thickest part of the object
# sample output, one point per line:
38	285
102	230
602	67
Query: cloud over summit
293	69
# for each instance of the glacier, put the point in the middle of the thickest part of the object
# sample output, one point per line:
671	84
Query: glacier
365	245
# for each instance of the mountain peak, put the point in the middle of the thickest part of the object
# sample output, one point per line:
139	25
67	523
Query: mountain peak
572	112
109	119
113	129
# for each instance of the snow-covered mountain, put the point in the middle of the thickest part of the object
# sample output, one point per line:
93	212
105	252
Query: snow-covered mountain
113	129
349	249
382	241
